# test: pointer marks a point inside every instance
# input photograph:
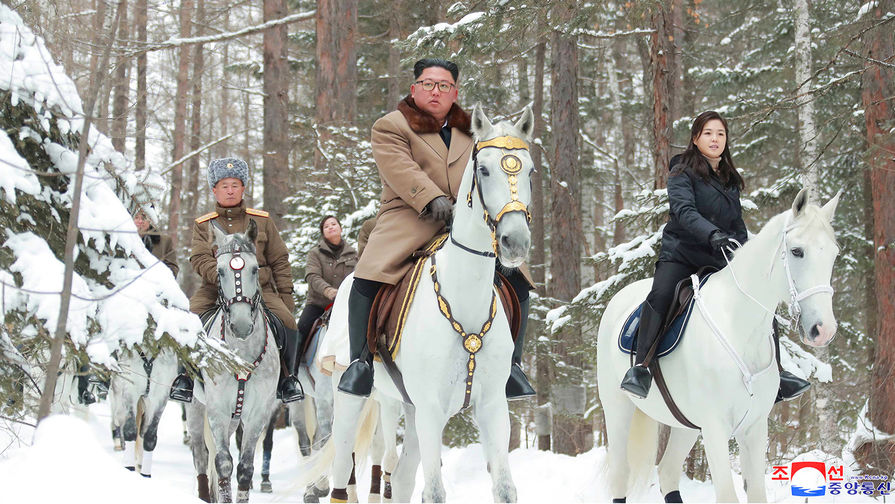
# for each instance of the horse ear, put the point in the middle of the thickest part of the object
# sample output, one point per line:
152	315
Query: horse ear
481	126
830	208
526	123
219	235
800	202
251	231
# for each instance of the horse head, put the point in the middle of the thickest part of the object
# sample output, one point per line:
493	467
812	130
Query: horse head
502	180
808	248
238	287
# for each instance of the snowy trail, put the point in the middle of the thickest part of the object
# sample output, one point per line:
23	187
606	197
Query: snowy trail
74	461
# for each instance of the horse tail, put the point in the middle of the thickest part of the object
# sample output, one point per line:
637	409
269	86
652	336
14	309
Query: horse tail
310	412
138	447
212	454
643	444
366	431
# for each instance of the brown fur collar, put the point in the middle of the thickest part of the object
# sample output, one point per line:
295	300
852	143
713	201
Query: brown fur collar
423	122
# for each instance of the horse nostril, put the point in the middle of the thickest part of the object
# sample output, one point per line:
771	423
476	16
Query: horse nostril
815	332
505	241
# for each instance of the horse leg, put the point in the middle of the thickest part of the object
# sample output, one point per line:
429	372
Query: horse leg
404	477
267	451
389	414
753	444
252	430
299	422
377	449
348	409
680	442
718	456
430	428
152	416
493	419
129	434
186	432
196	426
618	411
323	406
223	462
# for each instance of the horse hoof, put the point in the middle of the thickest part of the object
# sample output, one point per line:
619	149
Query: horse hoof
320	491
674	496
310	496
374	498
266	487
242	496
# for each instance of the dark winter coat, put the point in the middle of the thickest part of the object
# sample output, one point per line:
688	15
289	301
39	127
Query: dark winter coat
160	246
697	209
327	266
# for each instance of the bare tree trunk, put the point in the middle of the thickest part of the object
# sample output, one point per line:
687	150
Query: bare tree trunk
72	231
221	149
276	119
336	78
621	139
570	431
140	112
663	80
394	55
180	106
877	90
194	166
121	88
538	250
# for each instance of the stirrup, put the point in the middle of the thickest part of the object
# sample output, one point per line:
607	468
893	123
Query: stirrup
637	382
518	386
357	379
182	389
290	390
87	398
791	387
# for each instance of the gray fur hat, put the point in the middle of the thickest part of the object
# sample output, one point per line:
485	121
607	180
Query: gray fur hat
227	167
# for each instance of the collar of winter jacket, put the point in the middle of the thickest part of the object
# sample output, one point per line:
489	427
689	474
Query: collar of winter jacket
231	212
331	250
423	122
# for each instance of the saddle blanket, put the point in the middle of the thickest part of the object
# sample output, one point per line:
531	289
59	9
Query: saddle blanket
674	332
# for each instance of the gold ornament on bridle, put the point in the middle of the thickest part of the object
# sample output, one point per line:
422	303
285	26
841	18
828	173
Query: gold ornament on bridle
512	166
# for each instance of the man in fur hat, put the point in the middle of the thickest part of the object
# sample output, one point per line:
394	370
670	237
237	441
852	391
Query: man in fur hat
227	178
421	151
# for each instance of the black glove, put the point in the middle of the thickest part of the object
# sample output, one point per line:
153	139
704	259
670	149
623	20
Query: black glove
719	239
439	209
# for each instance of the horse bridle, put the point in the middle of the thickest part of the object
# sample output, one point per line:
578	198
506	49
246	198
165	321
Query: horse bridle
237	263
795	297
511	165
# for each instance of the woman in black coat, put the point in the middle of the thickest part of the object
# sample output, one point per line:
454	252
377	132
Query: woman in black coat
705	218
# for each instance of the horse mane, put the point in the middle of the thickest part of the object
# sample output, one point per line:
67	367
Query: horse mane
237	241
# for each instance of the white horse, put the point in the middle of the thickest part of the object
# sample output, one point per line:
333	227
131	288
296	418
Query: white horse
723	375
248	397
138	395
457	346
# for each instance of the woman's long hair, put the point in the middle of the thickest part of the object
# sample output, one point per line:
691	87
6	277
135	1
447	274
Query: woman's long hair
696	161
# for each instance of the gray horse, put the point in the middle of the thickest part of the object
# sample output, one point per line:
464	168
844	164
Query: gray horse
230	399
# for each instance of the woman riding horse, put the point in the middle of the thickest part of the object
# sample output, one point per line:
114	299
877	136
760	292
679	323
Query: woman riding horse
705	218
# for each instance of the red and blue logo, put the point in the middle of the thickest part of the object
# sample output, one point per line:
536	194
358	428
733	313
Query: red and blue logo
808	478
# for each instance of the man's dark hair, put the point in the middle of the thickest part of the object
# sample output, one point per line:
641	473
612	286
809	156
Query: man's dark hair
425	63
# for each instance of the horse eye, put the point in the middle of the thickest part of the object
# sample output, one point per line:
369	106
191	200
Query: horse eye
484	171
798	252
255	269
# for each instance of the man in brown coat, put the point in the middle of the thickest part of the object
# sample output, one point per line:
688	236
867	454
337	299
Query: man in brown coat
421	150
227	178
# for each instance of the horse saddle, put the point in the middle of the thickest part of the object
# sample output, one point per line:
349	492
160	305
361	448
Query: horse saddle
675	321
392	304
309	347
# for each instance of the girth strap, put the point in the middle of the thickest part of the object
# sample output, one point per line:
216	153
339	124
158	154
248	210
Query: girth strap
147	368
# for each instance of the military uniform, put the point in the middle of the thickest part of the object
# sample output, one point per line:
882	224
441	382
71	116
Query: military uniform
275	273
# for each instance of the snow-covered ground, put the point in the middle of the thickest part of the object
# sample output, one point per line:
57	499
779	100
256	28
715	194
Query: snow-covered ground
70	460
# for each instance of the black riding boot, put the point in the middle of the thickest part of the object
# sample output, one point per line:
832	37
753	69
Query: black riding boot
290	389
85	396
791	386
182	387
358	378
518	386
637	380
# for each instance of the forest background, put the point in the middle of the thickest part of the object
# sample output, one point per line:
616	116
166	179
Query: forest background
293	87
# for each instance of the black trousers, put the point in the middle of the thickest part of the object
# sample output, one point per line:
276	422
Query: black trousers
668	274
308	315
